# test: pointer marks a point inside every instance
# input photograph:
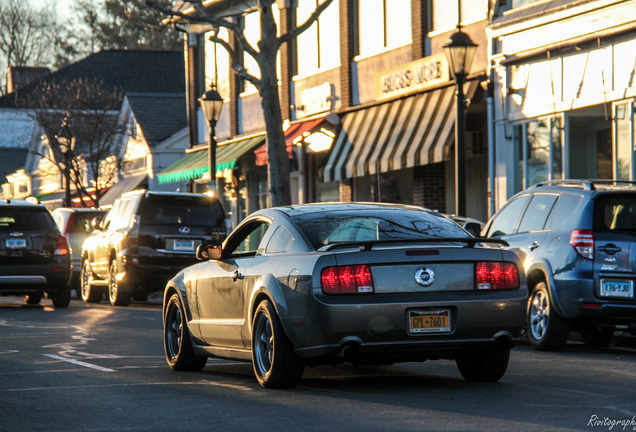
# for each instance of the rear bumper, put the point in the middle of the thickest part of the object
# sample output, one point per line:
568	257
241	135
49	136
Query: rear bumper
151	275
24	279
379	331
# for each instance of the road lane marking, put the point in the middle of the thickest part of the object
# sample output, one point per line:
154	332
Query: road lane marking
79	363
183	383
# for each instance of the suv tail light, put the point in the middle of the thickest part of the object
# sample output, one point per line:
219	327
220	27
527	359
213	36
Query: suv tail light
583	242
496	275
62	248
351	279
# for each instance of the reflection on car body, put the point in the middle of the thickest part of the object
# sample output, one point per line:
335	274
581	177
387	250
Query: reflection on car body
326	283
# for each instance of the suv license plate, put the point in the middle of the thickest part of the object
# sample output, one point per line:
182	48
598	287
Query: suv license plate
183	245
16	243
615	288
436	321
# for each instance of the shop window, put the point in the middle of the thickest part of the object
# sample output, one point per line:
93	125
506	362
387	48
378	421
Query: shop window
383	24
623	126
445	15
538	152
318	48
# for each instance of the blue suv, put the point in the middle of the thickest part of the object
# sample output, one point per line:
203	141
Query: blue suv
577	240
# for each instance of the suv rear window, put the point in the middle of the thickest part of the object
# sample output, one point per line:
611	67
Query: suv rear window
25	219
82	222
184	210
615	213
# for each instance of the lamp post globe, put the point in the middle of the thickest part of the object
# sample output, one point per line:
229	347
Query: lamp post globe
212	105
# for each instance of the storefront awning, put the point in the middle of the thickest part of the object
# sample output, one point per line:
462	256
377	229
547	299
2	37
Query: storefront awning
292	134
195	164
413	131
122	186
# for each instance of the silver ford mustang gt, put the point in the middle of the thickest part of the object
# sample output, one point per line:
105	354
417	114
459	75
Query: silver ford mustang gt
363	283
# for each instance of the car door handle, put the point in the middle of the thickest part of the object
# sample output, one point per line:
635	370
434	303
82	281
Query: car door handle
610	249
236	275
533	246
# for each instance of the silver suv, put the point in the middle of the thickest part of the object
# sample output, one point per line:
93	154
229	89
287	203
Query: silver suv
577	240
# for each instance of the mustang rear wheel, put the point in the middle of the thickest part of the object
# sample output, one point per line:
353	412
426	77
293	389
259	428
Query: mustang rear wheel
484	366
275	363
115	295
176	339
547	331
89	292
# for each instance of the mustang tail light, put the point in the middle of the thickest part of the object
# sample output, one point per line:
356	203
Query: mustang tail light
62	248
583	242
496	275
350	279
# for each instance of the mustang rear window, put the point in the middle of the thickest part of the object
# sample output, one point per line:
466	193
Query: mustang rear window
347	226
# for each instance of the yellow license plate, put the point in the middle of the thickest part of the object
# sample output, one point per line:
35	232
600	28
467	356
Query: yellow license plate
437	321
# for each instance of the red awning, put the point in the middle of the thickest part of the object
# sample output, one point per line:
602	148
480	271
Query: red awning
294	131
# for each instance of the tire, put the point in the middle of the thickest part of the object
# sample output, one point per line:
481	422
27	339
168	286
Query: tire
176	339
275	363
487	366
115	295
62	298
140	296
598	338
88	292
33	299
547	331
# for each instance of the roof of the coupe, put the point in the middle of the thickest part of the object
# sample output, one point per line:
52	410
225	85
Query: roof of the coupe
330	207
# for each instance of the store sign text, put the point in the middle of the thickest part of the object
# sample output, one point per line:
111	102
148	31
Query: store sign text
417	75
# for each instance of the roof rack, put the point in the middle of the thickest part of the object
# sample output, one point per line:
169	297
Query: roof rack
587	184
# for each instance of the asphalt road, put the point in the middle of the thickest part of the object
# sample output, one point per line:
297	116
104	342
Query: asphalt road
100	368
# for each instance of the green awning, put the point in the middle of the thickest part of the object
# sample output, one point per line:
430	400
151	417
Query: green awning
195	164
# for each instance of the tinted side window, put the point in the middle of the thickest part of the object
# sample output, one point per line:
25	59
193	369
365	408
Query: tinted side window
537	212
504	222
562	210
280	242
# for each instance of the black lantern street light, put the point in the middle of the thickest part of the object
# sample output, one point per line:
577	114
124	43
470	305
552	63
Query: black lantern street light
460	51
212	104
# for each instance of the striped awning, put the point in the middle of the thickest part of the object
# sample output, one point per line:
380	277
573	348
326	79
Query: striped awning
404	133
193	165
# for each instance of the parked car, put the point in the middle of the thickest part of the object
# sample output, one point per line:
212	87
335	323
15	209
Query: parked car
76	224
577	240
327	283
35	259
473	226
144	240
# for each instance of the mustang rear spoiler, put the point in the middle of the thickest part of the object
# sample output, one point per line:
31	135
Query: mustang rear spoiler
368	245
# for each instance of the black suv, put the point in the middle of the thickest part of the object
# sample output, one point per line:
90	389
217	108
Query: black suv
144	240
35	258
577	240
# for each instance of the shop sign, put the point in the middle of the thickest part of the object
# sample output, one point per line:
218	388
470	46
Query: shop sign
414	76
314	100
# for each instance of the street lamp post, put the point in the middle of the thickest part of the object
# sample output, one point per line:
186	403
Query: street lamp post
212	104
460	51
66	146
